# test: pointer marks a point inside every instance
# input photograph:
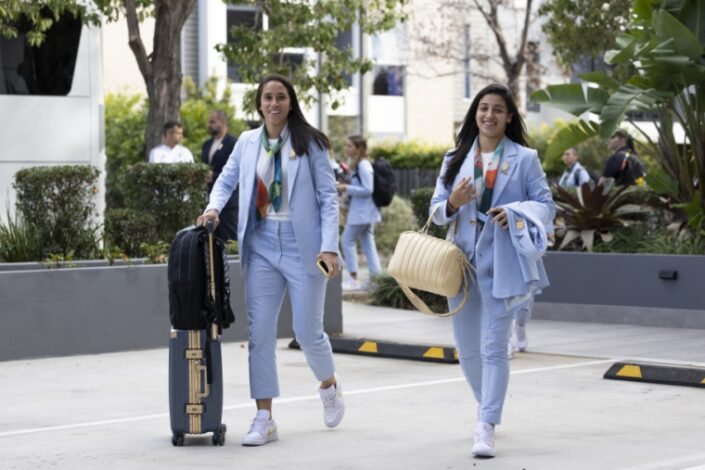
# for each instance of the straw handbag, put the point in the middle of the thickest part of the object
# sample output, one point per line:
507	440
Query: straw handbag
422	261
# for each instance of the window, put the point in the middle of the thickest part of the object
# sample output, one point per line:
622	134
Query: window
44	70
389	54
388	80
240	16
343	42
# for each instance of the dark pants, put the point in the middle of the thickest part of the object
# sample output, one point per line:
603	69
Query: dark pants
227	229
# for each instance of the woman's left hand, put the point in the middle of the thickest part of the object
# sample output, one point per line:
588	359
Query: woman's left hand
499	216
342	187
331	260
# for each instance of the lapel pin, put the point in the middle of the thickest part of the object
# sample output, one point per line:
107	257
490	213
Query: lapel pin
505	167
292	155
520	224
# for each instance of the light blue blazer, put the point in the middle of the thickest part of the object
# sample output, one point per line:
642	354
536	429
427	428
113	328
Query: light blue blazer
362	209
313	198
520	178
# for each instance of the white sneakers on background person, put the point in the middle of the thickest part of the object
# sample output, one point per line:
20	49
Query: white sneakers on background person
522	341
333	404
262	430
351	285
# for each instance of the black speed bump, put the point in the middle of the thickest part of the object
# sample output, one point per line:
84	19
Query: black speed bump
660	374
370	347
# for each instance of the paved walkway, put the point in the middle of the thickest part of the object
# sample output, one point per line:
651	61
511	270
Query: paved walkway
110	411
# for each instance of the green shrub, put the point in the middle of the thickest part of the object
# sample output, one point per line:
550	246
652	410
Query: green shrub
56	204
126	230
170	196
641	238
386	292
17	241
420	202
339	128
125	122
411	154
396	218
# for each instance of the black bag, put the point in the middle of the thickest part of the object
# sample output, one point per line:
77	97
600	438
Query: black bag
190	304
384	186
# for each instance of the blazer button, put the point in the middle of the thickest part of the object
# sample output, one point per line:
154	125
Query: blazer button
472	221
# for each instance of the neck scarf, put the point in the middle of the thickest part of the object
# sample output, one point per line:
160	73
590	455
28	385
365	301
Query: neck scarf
269	187
485	180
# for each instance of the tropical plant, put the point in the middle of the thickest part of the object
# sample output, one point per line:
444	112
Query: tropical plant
665	49
595	209
386	292
17	241
396	218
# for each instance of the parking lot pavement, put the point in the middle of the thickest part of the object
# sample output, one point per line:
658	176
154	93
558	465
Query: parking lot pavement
110	411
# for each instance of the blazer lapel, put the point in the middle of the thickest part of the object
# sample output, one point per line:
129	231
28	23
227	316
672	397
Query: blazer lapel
506	168
248	165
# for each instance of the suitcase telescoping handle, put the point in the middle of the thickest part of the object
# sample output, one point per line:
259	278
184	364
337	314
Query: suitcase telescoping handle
210	229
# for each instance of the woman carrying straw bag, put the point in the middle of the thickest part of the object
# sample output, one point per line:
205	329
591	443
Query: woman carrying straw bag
490	167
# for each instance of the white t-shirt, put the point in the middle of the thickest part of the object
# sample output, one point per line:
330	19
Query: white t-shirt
165	154
263	163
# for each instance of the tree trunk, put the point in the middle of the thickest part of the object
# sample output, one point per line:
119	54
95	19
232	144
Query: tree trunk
162	69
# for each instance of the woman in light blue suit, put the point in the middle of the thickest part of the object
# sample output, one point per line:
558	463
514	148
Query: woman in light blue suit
288	222
362	213
490	167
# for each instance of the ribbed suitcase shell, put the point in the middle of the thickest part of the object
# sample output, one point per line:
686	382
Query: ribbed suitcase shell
187	379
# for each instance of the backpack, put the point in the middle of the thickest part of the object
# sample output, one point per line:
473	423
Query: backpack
190	303
384	186
594	177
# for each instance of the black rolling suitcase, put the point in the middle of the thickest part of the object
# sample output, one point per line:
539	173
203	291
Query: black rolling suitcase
199	308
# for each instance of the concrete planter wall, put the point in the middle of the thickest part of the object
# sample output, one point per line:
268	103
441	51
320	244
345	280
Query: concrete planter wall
56	312
624	288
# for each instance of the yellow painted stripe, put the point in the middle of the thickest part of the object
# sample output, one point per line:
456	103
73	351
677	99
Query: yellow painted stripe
368	347
455	354
702	381
434	353
630	371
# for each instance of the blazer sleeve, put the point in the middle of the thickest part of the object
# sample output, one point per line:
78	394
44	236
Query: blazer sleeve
538	191
440	198
227	180
365	179
324	185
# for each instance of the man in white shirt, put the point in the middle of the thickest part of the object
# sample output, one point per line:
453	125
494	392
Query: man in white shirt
171	151
575	175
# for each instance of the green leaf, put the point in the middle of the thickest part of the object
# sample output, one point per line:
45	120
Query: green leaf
600	78
661	182
684	41
568	97
625	55
571	135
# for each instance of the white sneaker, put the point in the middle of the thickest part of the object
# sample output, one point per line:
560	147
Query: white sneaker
511	349
333	404
262	430
484	440
352	285
522	342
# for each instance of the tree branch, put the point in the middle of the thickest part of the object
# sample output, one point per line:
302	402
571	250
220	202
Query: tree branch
491	19
521	53
135	42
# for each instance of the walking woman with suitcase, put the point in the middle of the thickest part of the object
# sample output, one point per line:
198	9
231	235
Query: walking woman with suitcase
484	182
288	233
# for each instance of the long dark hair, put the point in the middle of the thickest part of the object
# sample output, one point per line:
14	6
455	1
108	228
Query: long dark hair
301	132
516	130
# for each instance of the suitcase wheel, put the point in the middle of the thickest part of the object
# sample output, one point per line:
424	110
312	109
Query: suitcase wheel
219	436
178	439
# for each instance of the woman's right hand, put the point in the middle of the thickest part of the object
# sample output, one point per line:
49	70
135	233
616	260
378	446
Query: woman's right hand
210	215
463	193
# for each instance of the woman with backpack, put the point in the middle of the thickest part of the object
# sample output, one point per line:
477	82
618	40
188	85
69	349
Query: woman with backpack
288	230
362	213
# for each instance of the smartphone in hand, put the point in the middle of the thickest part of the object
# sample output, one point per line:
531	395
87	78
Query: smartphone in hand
323	267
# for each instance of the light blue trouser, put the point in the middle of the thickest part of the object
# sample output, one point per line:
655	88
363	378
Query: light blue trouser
275	265
365	233
522	313
482	329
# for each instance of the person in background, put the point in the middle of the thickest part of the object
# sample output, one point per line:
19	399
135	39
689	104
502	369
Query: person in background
624	164
362	214
215	153
575	175
288	224
171	150
484	182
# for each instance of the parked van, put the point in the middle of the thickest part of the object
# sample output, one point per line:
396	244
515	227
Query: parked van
51	104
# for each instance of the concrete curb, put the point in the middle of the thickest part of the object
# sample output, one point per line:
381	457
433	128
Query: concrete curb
389	349
668	375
